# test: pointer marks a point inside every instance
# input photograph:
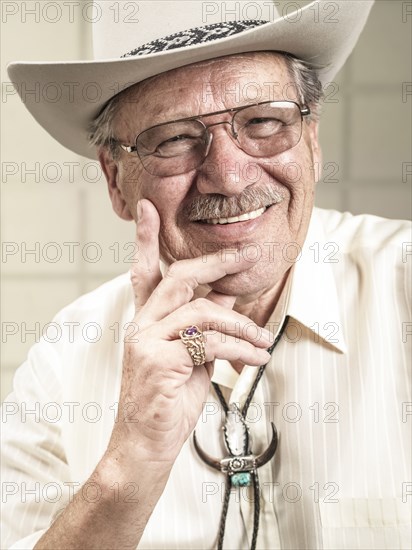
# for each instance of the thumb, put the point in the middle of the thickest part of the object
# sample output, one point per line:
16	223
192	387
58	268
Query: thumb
145	271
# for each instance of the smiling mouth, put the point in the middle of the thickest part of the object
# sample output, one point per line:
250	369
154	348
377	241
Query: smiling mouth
243	217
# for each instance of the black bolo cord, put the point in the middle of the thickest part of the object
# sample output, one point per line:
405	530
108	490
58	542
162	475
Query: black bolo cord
255	476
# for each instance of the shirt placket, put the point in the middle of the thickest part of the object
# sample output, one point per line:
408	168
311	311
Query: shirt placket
258	423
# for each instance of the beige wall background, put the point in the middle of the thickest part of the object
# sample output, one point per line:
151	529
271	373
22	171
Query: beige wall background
60	237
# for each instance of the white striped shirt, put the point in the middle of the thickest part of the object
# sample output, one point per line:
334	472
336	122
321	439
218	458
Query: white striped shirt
337	388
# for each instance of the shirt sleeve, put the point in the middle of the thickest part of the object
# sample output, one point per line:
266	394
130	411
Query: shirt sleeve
35	476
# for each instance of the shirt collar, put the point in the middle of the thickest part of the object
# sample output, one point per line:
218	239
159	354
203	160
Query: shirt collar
313	298
310	297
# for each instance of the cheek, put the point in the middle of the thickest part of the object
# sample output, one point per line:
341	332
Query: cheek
294	170
165	193
167	198
131	178
168	195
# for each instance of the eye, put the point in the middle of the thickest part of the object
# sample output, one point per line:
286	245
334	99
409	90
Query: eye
176	138
261	127
171	139
261	120
177	145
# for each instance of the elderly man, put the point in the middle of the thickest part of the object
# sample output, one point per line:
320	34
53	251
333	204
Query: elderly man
306	359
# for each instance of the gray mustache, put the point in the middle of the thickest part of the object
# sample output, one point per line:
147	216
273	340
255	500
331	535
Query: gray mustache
218	206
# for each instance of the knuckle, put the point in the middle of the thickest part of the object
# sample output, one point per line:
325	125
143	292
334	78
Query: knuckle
170	272
186	290
134	276
173	271
138	278
200	305
177	277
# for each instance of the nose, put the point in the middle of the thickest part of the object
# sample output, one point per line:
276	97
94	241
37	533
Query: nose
226	168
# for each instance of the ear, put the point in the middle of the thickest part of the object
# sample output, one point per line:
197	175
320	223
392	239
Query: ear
110	170
316	150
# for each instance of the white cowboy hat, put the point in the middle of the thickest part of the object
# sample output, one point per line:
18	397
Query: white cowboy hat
136	40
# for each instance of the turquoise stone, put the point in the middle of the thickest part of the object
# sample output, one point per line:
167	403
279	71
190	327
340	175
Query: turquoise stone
241	479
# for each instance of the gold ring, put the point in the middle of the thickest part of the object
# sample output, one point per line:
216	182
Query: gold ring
194	341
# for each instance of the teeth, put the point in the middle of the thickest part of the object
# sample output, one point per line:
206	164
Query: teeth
241	218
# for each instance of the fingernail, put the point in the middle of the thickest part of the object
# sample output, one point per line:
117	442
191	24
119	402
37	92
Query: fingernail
139	209
264	356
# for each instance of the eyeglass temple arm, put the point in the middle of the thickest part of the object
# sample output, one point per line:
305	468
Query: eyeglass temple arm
128	148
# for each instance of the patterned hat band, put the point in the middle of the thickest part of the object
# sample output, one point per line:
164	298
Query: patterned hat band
197	35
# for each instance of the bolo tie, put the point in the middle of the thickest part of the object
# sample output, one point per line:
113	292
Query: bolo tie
240	466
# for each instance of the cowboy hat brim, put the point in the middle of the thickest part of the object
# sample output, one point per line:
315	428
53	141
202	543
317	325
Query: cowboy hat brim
69	95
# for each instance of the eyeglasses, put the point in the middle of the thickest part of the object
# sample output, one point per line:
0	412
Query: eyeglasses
264	129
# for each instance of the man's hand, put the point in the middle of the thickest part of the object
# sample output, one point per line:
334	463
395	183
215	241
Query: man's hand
162	392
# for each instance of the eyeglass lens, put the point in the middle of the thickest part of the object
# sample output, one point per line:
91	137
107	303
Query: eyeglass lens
263	130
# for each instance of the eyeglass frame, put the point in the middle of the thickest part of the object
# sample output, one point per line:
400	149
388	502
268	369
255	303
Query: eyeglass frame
303	109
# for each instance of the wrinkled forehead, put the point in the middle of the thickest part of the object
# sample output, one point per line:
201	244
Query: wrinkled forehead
224	82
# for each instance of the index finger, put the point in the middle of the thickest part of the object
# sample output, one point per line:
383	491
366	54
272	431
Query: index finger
184	276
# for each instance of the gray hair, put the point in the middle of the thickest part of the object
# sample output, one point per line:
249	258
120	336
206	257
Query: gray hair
101	129
303	74
309	87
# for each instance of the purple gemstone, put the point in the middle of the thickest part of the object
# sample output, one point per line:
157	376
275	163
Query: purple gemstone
191	331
